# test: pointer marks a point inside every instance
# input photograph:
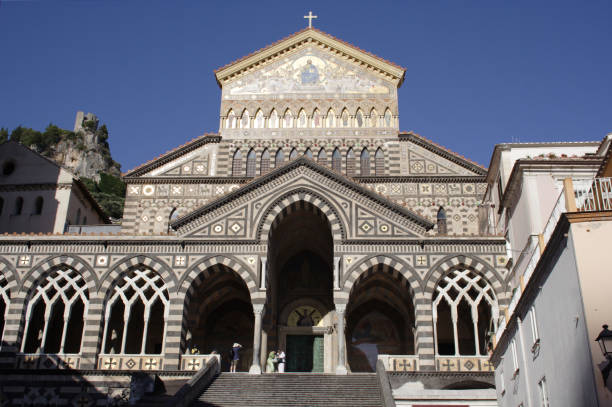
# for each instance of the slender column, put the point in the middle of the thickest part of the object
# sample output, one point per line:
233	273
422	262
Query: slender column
341	367
255	366
337	273
264	273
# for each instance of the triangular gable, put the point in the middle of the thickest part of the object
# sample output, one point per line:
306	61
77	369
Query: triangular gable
170	163
394	73
362	213
424	157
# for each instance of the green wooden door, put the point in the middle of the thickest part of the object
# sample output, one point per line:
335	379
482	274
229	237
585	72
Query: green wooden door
305	353
317	354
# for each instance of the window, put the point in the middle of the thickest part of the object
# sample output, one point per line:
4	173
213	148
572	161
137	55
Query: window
373	118
265	162
388	118
230	123
237	164
345	118
535	335
18	206
293	154
288	120
330	119
273	121
321	158
308	153
279	158
379	165
1	205
542	387
259	120
56	313
515	364
136	314
78	217
317	120
302	120
336	161
441	221
245	120
465	310
359	118
8	167
350	163
364	163
250	167
38	205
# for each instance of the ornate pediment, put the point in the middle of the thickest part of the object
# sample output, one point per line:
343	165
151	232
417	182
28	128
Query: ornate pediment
283	52
356	213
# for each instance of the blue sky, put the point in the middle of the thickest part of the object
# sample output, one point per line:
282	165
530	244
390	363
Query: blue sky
478	72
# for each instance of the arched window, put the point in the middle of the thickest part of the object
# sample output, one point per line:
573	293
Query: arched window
379	164
345	118
336	160
56	313
373	118
78	217
245	120
237	164
317	120
288	120
350	163
364	162
441	221
250	165
293	154
279	158
359	118
308	153
5	300
302	120
322	157
464	311
273	120
136	314
330	119
1	205
388	118
18	206
259	120
38	205
264	167
230	122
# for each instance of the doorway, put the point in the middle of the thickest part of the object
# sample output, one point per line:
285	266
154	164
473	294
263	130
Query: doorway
305	353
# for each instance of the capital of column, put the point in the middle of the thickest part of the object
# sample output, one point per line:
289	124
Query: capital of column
340	308
258	309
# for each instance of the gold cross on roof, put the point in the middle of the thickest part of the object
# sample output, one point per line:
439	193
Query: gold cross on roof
310	17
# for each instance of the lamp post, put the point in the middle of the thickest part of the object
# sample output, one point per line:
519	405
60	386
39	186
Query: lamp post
604	339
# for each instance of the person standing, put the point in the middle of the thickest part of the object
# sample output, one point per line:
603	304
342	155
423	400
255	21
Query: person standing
281	361
235	356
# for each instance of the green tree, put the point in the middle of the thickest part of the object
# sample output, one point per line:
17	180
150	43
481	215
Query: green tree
4	135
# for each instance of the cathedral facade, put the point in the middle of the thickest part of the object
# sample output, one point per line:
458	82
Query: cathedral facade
309	222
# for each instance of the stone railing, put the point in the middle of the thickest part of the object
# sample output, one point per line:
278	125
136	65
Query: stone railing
463	364
47	361
197	384
400	363
130	362
195	362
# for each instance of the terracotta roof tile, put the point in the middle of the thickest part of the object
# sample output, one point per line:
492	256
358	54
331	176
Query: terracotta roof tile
299	32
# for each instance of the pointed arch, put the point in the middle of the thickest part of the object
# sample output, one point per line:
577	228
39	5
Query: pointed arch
317	119
379	162
350	162
251	164
293	154
364	162
279	158
302	121
287	119
245	119
273	121
237	163
322	156
388	118
359	118
259	120
330	119
345	120
308	153
336	160
441	221
264	166
231	121
373	118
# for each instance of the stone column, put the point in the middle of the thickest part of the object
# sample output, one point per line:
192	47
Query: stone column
264	273
341	367
337	273
258	310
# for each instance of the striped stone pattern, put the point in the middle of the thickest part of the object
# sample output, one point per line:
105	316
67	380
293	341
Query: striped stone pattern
392	162
298	199
130	214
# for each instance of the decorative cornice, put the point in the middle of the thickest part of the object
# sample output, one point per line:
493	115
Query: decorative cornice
186	179
444	152
420	178
173	154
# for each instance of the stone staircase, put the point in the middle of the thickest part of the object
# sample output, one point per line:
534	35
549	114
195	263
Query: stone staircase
292	389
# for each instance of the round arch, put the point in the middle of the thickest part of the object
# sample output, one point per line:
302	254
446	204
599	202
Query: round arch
9	275
277	211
